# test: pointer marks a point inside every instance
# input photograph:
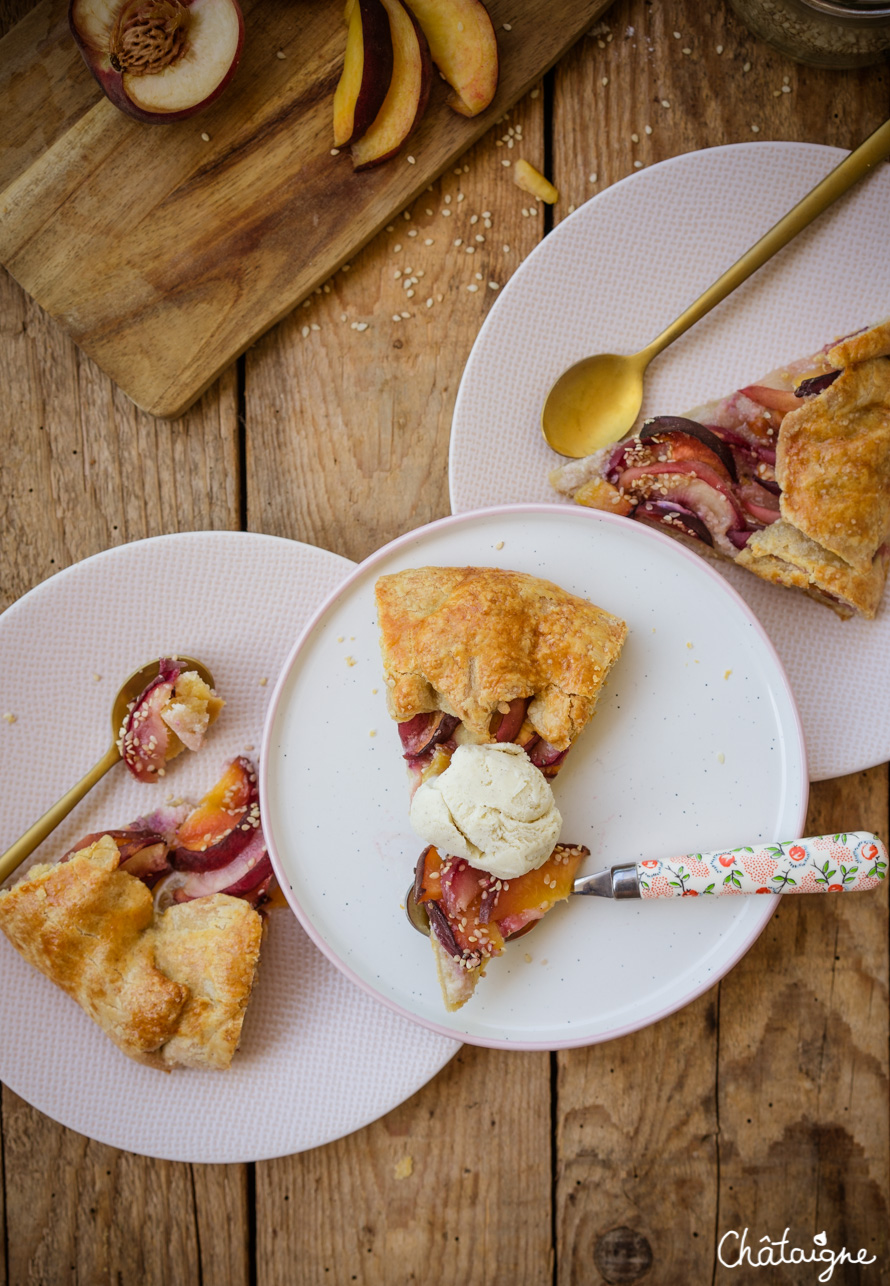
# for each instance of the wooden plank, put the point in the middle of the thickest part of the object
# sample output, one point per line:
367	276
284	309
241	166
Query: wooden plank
347	447
450	1189
347	442
803	1066
164	269
81	469
644	1135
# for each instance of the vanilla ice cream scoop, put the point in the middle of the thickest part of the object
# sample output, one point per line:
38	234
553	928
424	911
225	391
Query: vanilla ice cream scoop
491	806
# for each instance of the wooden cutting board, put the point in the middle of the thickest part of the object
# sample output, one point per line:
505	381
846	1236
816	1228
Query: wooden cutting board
164	255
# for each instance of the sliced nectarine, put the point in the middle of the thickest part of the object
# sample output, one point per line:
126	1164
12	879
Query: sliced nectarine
221	809
464	48
409	90
367	71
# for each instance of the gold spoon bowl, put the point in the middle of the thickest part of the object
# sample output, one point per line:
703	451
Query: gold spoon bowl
596	401
129	691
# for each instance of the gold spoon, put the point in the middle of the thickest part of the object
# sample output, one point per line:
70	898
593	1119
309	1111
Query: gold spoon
596	401
130	689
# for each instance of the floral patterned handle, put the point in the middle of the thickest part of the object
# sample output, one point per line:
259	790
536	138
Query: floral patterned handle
845	863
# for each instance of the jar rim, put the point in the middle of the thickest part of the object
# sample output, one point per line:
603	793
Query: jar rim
874	10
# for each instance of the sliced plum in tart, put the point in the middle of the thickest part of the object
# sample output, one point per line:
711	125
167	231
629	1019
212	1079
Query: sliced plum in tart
472	914
788	477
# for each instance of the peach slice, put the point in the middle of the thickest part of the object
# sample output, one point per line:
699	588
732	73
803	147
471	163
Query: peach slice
409	90
367	71
159	60
464	48
525	176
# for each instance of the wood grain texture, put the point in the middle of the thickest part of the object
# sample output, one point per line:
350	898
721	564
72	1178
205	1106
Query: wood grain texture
812	1153
451	1188
165	255
347	430
803	1069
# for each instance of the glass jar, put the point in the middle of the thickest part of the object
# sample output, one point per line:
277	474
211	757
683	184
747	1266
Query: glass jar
823	33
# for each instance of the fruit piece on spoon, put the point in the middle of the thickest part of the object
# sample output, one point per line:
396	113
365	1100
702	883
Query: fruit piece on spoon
171	714
159	60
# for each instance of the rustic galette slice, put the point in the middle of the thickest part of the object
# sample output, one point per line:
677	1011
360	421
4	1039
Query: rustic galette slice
482	665
476	655
788	477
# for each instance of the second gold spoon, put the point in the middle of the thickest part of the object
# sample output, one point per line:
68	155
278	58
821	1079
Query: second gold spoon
596	401
129	691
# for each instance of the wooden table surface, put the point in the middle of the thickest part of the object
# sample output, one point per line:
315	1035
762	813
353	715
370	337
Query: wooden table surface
764	1104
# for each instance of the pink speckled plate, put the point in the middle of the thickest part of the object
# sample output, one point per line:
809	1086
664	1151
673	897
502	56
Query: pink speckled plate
319	1057
696	744
609	278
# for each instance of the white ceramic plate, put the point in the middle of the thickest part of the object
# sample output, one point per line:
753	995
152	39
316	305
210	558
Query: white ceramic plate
610	278
696	744
319	1057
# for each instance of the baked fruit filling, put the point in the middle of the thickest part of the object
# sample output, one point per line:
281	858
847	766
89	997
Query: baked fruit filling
789	477
472	913
481	665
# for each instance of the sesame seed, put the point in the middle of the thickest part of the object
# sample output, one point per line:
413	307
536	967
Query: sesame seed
719	49
635	138
280	53
428	241
409	294
429	303
335	151
470	250
746	67
206	138
397	274
605	80
405	316
397	317
315	326
638	165
677	35
410	160
665	102
786	89
406	215
507	26
446	213
459	241
486	214
474	218
506	249
471	288
397	247
592	178
534	93
493	285
648	129
305	331
361	326
263	681
686	50
479	237
412	232
755	129
460	196
507	164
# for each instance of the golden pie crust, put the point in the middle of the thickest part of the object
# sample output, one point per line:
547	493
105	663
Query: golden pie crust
169	990
468	639
782	554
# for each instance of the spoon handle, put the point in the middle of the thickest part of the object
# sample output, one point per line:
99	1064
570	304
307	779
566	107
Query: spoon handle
875	148
36	834
845	863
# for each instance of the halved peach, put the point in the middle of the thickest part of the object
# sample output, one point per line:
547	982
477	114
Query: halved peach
367	71
464	48
409	90
221	809
159	60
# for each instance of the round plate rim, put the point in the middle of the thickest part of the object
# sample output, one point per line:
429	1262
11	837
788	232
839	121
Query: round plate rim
380	555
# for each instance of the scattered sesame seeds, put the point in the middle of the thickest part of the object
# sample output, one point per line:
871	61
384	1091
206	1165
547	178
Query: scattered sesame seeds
506	249
592	178
647	129
638	165
461	197
427	241
397	317
665	102
459	241
470	250
506	164
605	80
445	213
472	288
335	151
474	218
493	285
280	53
412	232
786	89
397	247
410	160
406	215
686	50
305	331
677	36
507	26
361	326
755	129
206	137
635	138
719	49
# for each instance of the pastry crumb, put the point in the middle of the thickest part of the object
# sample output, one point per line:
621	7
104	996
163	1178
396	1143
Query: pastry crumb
372	732
250	746
263	681
545	961
403	1169
727	673
10	718
721	758
528	958
98	678
350	660
689	645
499	545
340	638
